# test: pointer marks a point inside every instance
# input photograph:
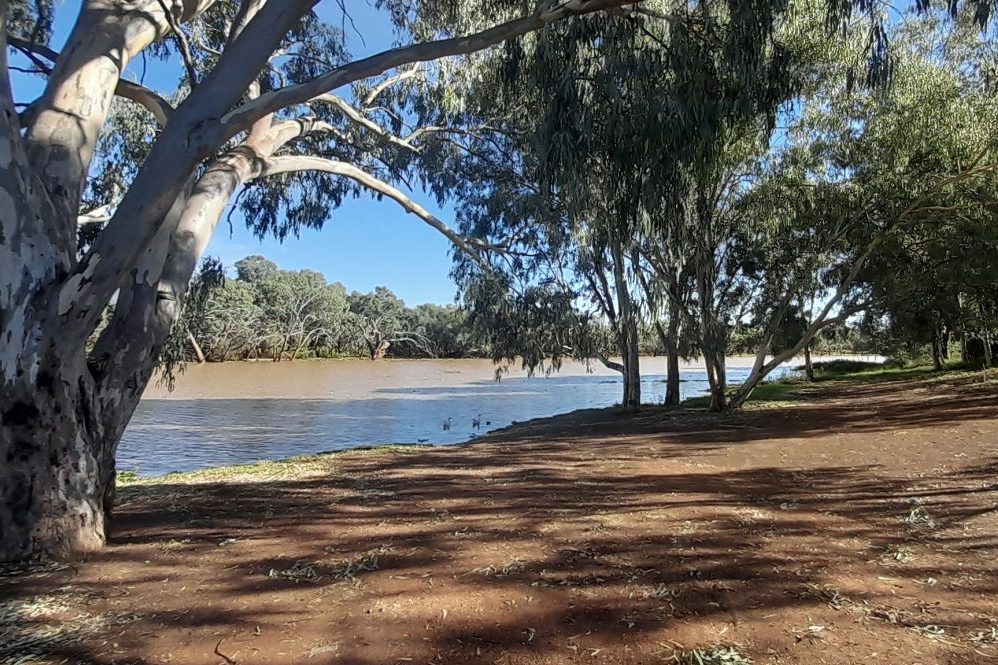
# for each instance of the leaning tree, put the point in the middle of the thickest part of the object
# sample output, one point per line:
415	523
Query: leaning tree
262	101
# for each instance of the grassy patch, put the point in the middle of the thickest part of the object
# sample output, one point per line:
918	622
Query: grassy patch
125	477
777	391
701	402
785	391
854	370
774	393
294	467
835	370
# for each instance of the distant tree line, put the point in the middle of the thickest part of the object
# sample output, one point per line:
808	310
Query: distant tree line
269	313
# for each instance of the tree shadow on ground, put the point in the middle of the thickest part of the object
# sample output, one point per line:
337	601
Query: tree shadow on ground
593	537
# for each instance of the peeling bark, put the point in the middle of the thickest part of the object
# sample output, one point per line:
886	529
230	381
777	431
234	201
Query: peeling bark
70	114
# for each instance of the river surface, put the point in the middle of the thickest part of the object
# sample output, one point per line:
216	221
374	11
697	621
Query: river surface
233	413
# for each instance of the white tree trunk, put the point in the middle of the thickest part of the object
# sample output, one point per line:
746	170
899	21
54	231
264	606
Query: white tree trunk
627	330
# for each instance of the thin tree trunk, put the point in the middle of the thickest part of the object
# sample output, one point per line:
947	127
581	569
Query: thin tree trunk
670	343
632	396
632	368
986	337
198	353
379	347
673	394
672	381
671	346
808	367
717	379
627	329
937	360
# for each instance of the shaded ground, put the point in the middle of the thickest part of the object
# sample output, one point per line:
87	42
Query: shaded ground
857	525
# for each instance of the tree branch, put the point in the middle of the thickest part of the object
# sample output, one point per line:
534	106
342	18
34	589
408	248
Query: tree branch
66	128
288	164
243	116
191	136
185	46
247	10
389	82
200	126
609	364
96	216
359	118
148	99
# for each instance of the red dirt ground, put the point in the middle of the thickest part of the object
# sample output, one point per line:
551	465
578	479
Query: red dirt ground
856	526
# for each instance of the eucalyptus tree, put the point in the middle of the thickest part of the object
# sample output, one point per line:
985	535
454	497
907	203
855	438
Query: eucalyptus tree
622	111
190	328
935	278
446	328
546	254
255	269
663	298
231	325
381	320
258	104
541	286
893	207
299	308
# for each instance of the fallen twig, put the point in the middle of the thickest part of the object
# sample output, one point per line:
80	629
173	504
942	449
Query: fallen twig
230	661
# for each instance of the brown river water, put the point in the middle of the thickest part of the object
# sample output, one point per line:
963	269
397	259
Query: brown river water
234	413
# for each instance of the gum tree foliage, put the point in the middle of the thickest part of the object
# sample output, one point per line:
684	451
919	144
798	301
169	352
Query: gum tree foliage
650	150
446	327
381	321
299	311
192	324
893	191
631	110
232	325
270	102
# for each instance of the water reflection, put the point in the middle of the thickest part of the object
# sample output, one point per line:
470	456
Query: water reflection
196	428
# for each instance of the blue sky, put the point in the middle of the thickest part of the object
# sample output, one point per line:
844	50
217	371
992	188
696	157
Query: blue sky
366	243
